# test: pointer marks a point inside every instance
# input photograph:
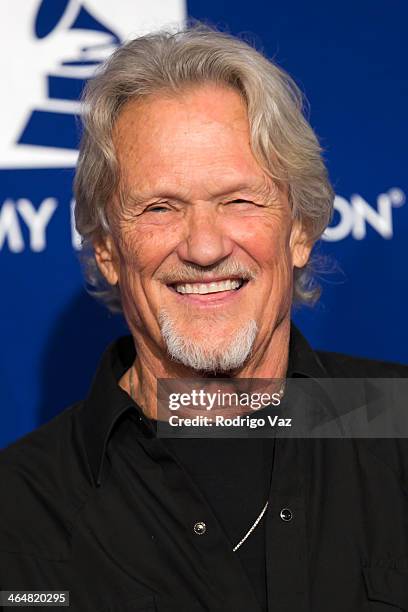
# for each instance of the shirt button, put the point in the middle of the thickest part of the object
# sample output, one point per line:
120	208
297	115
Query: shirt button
286	514
200	528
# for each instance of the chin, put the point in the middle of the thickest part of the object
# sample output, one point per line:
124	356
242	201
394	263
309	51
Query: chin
208	353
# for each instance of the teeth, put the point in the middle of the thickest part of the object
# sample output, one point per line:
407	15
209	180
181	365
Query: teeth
202	288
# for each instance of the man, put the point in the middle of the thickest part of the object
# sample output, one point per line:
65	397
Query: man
200	193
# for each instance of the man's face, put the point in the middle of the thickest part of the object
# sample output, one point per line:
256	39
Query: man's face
197	210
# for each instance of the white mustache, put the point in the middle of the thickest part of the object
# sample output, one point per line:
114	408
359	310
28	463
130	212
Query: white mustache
191	274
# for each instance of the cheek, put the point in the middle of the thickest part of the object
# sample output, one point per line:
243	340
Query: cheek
266	241
140	254
140	251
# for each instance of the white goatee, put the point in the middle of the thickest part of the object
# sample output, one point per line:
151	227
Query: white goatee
205	355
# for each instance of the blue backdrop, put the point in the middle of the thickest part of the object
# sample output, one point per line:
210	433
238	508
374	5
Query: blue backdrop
350	60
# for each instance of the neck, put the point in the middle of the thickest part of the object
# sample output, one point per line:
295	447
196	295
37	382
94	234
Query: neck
269	360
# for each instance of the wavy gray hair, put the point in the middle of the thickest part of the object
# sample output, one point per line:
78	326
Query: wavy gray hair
282	140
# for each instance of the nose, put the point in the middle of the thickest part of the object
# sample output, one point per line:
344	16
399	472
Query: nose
206	238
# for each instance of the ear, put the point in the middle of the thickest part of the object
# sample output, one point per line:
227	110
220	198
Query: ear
300	245
107	259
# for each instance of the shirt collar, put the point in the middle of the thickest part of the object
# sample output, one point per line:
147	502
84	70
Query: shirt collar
107	403
303	360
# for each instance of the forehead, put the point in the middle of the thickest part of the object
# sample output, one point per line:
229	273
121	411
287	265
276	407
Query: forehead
195	140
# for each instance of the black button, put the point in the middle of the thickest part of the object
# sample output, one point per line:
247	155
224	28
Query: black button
286	514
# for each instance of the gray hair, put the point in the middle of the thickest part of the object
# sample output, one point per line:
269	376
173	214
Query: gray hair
281	138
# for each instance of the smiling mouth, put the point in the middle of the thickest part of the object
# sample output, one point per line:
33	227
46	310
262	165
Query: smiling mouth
230	284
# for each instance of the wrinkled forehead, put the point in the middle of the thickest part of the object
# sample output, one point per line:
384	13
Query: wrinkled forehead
197	144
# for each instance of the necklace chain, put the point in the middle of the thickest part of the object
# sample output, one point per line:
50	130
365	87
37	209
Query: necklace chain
259	518
131	387
251	529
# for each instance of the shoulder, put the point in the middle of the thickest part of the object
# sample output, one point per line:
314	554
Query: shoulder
55	446
391	452
44	480
339	365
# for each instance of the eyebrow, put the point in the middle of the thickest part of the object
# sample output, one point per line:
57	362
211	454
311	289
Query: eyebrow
139	198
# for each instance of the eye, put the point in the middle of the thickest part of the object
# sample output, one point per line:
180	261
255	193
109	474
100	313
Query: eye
157	208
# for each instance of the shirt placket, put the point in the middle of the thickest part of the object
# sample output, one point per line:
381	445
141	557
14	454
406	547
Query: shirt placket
230	589
286	538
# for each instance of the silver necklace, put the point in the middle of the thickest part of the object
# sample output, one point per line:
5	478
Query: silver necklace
259	518
281	392
251	529
131	387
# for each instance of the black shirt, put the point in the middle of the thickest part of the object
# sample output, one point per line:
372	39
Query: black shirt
234	476
95	503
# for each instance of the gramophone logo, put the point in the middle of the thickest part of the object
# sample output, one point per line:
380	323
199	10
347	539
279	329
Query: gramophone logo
50	49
